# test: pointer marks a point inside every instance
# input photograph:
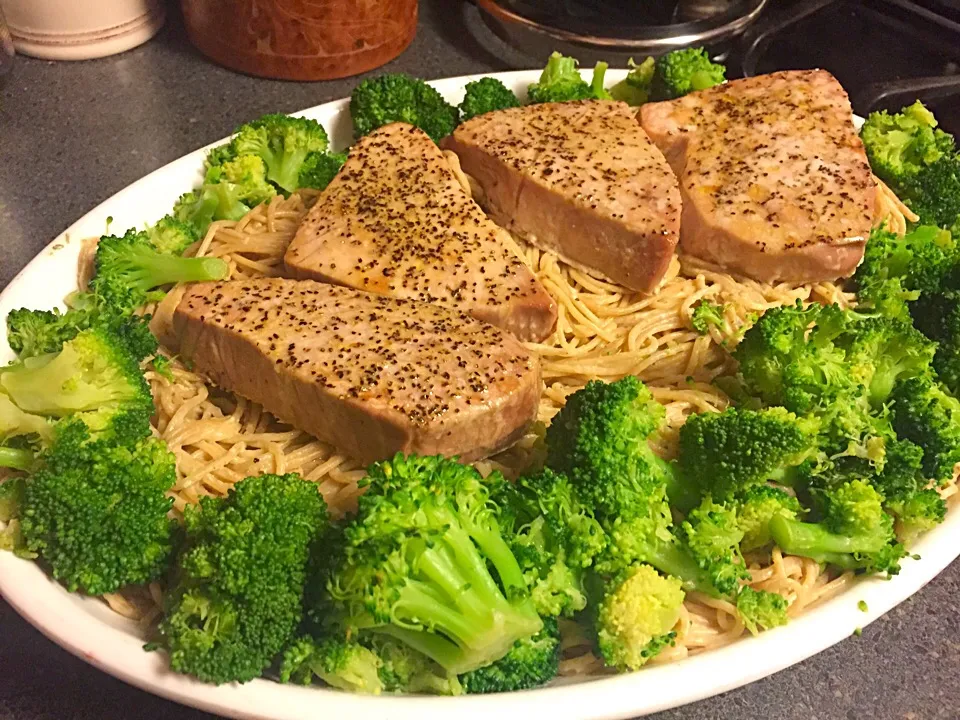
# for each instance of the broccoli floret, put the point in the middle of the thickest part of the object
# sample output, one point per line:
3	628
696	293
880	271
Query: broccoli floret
760	609
129	267
599	440
38	332
426	562
924	413
789	358
934	193
217	201
531	662
882	351
713	534
238	595
937	315
722	453
555	539
900	145
320	168
922	259
247	175
755	508
560	81
634	89
486	95
171	236
15	423
12	491
705	315
635	616
343	664
855	531
404	670
397	97
96	512
283	143
683	71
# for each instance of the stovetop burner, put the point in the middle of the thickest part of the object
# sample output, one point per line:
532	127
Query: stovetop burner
887	53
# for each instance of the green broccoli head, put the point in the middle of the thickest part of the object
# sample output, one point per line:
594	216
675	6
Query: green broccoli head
531	662
922	259
343	664
706	315
755	508
425	561
38	332
681	72
129	267
635	616
759	609
937	315
486	95
97	511
560	81
283	143
723	453
404	670
899	145
247	175
555	538
238	595
170	236
635	88
320	168
934	193
712	533
926	414
396	97
882	352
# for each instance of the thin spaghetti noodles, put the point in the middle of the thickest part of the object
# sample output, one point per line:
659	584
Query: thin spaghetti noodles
603	331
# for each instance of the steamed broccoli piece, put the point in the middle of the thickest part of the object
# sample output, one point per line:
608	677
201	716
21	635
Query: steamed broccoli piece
882	352
426	561
38	332
97	511
599	440
283	143
634	89
855	532
92	371
924	413
789	358
684	71
756	507
11	500
210	202
320	168
760	609
723	453
237	598
934	193
636	612
900	145
396	97
706	315
556	538
404	670
129	267
343	664
922	259
247	174
560	81
170	236
531	662
916	507
486	95
713	534
937	315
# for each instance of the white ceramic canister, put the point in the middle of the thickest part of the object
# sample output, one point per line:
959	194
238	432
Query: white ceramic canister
81	29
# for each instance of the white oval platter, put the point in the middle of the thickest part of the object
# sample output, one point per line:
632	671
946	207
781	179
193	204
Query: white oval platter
89	630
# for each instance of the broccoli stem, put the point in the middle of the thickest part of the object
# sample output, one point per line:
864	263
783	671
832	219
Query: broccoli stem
815	541
154	269
16	459
669	558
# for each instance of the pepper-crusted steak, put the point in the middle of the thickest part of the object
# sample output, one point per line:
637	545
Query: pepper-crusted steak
774	178
370	374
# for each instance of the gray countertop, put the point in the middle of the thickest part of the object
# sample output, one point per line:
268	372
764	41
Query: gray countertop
73	134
